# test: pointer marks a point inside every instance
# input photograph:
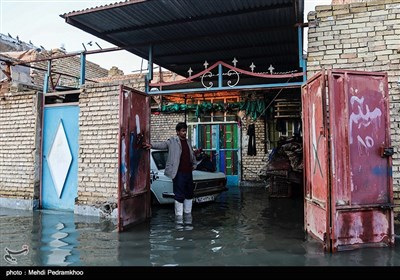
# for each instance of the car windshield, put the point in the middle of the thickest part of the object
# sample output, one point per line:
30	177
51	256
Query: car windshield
160	158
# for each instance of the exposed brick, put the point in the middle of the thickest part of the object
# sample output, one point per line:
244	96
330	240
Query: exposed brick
376	30
18	147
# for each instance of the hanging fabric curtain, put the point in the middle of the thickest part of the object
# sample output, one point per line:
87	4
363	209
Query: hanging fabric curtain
253	108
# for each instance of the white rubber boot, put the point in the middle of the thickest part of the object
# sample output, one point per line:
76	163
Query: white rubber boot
187	212
178	214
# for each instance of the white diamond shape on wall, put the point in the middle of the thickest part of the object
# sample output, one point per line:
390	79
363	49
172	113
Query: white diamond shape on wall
59	159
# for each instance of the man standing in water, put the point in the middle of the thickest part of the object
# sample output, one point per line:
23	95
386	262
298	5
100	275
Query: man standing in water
181	162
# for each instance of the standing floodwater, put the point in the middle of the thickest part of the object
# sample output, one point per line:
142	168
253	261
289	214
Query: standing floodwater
245	227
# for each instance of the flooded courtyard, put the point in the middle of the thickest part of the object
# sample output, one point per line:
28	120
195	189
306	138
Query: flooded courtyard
244	227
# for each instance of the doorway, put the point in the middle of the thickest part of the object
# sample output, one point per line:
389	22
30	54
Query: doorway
60	157
221	142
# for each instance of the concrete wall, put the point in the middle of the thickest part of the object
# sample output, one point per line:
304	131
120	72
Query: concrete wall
361	36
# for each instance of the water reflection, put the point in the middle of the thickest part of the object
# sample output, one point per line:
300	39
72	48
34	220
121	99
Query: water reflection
57	234
245	227
134	246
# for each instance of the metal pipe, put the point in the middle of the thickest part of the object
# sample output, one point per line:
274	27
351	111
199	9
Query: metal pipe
149	76
302	62
83	69
69	55
220	72
47	77
54	72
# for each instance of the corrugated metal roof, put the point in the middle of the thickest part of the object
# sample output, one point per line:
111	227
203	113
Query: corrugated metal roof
185	33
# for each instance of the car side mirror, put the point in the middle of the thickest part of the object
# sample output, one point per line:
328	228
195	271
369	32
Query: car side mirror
153	176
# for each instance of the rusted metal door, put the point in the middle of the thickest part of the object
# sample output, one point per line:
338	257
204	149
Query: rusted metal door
353	205
362	192
316	165
134	162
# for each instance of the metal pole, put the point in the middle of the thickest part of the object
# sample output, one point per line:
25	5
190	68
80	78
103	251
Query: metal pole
302	62
150	69
83	69
47	77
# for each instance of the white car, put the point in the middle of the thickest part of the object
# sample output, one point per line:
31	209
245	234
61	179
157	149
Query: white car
207	185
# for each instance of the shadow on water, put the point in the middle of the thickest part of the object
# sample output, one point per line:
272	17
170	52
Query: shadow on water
244	227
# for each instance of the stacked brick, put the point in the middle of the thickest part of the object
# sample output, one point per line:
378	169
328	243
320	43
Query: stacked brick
251	165
19	146
68	65
98	145
163	126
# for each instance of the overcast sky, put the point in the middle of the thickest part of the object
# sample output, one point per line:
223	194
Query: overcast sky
39	21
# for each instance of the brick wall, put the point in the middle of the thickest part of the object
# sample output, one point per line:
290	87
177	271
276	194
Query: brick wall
163	126
251	165
396	197
361	36
66	66
98	147
69	65
338	2
135	81
20	134
19	149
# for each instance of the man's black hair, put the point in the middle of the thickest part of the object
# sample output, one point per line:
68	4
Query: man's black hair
181	125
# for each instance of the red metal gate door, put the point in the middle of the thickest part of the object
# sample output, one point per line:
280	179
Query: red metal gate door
134	162
316	170
361	183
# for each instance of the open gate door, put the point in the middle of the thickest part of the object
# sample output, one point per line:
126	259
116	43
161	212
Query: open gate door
361	177
315	158
348	177
134	162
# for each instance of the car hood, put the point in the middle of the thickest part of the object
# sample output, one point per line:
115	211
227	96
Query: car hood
204	175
